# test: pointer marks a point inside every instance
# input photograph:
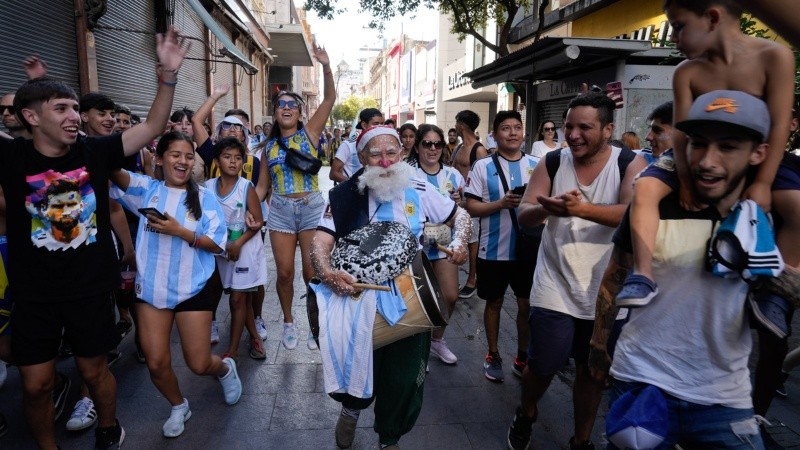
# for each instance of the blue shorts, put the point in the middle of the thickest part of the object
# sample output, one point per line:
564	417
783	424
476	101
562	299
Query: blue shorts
555	337
6	303
293	215
701	426
787	178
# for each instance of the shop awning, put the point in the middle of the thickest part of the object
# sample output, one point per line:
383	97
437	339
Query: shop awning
228	49
553	58
245	17
289	45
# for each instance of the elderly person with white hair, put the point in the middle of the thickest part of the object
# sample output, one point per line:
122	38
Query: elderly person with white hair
385	190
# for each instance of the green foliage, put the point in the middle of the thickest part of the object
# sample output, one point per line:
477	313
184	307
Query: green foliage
347	110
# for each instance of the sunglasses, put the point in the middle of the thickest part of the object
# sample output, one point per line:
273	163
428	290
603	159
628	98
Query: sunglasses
291	104
432	144
235	126
10	109
549	129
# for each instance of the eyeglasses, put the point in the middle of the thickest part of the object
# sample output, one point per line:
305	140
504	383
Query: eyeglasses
549	129
10	109
235	126
432	144
291	104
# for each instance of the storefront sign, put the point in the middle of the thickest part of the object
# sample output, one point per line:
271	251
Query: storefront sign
457	80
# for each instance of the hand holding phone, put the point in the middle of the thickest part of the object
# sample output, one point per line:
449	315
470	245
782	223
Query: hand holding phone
153	211
519	190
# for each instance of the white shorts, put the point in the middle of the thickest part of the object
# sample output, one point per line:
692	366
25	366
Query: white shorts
249	271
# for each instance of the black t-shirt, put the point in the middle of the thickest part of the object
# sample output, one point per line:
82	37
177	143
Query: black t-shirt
59	231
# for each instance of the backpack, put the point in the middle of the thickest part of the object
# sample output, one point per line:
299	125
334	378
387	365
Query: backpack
552	161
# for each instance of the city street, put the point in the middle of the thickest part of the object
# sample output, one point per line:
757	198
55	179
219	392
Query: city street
284	405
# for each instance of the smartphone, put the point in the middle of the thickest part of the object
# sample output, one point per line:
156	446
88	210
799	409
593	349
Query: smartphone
519	190
153	211
614	91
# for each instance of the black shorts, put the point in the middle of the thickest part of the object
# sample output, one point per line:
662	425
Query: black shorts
87	324
496	276
203	301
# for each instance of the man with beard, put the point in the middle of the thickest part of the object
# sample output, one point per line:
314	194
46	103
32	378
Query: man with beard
692	340
347	160
384	190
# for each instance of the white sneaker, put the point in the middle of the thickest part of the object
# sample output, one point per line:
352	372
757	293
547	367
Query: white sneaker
83	416
3	373
312	344
214	332
231	384
261	328
289	336
173	427
440	349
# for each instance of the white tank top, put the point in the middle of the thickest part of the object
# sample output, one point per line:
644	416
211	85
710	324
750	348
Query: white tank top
575	252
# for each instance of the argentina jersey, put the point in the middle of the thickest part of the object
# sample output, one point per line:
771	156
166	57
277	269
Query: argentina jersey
168	270
286	180
497	238
348	155
446	180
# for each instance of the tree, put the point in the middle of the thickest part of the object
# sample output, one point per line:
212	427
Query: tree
469	17
347	110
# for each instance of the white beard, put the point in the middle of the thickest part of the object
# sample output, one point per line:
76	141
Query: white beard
387	184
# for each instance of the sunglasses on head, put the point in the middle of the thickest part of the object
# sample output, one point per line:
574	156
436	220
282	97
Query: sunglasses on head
549	129
10	109
432	144
235	126
291	104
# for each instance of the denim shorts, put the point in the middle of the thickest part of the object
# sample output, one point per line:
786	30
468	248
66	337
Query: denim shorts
701	426
293	215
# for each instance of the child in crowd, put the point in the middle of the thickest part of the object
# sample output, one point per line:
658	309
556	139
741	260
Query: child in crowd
719	57
180	231
242	268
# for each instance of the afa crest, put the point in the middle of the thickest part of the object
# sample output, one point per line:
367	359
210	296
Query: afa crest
409	208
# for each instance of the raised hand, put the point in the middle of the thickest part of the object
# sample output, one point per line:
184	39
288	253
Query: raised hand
35	67
221	90
321	54
171	49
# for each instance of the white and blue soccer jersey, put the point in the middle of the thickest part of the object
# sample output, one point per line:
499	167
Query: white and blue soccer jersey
348	155
497	239
446	180
168	270
421	203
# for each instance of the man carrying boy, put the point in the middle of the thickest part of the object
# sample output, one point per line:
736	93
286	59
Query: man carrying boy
80	275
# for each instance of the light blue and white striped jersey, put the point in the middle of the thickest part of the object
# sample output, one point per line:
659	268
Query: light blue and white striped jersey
349	156
497	239
446	180
168	271
421	203
237	195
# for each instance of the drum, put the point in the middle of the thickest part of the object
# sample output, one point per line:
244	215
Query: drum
421	294
376	252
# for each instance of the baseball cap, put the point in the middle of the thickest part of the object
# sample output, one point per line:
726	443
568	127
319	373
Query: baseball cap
735	108
367	114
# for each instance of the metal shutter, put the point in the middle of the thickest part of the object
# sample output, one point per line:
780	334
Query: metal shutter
258	96
551	110
191	91
243	79
126	60
43	28
222	72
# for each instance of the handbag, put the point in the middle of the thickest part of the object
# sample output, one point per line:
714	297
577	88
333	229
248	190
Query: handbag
300	161
528	238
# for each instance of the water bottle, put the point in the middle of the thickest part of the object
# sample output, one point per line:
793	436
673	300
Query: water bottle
236	227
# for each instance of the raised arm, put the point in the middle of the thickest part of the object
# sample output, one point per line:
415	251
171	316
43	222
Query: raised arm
199	117
316	123
171	49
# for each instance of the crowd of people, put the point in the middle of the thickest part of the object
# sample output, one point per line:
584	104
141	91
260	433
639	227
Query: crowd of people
643	266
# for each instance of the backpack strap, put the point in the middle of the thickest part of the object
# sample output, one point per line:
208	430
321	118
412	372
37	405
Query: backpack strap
552	161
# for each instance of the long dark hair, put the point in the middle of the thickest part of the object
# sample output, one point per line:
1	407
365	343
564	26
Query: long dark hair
424	129
412	157
192	201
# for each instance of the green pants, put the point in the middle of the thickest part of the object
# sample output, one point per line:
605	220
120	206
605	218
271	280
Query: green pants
399	383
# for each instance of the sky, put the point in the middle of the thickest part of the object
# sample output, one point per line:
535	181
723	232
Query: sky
347	32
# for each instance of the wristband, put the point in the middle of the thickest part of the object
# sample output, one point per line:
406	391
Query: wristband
169	83
196	238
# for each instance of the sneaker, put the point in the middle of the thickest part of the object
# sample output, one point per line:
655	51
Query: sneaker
289	336
493	367
3	373
231	384
440	349
518	366
124	327
83	416
588	445
109	437
257	349
637	290
780	391
113	356
467	292
63	383
771	312
261	328
3	425
312	344
345	431
173	427
519	433
214	332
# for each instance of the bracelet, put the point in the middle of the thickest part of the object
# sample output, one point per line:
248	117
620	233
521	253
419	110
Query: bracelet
196	239
169	83
327	72
160	67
